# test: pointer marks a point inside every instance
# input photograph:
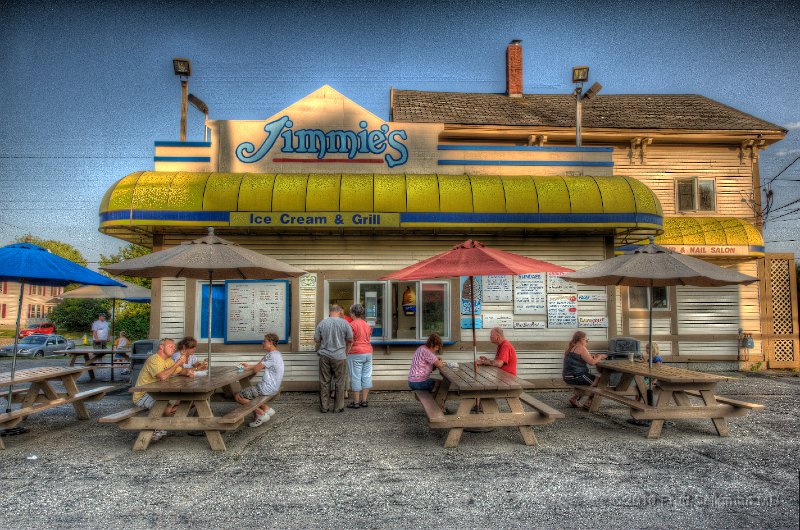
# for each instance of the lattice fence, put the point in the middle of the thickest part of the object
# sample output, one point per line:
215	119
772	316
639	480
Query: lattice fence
781	348
781	287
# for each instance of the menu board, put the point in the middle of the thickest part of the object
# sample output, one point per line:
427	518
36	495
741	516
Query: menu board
497	288
255	308
466	322
530	324
557	284
529	294
562	311
498	321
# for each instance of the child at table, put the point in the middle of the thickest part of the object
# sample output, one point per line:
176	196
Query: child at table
270	384
655	354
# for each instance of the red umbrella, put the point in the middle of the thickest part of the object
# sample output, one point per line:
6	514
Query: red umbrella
472	258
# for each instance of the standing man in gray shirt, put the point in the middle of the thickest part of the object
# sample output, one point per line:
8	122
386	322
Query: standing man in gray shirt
334	337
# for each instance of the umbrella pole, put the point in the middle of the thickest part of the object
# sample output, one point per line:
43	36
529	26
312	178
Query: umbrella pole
650	343
16	346
210	310
472	313
113	321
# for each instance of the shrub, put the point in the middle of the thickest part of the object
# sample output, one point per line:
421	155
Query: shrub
78	315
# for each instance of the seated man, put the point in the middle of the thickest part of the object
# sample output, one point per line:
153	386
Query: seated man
505	357
270	384
160	367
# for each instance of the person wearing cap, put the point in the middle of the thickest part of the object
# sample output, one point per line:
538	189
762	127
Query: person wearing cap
100	332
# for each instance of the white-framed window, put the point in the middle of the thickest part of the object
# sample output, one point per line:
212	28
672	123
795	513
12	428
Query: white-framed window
639	298
396	311
695	195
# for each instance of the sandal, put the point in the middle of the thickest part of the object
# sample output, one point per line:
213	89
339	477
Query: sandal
575	401
364	404
353	405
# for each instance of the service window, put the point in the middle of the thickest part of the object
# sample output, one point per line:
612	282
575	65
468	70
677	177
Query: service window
397	311
695	194
639	298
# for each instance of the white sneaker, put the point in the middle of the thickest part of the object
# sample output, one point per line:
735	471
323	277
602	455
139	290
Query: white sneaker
158	435
259	421
270	411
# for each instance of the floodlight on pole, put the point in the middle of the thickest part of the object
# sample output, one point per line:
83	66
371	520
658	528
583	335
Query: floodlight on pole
580	74
183	69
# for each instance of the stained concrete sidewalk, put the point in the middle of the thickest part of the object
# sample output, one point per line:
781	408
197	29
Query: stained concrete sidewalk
382	467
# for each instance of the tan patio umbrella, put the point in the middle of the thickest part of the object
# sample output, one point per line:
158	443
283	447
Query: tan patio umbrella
655	266
206	258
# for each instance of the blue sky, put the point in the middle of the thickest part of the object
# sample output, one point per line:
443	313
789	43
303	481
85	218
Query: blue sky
85	89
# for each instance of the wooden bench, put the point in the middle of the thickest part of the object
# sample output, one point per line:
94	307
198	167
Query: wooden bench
95	394
240	412
122	415
616	396
541	408
728	401
432	409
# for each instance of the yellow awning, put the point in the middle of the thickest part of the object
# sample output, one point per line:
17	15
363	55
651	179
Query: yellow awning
143	201
709	236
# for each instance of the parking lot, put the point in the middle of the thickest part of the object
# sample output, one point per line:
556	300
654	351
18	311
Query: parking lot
383	467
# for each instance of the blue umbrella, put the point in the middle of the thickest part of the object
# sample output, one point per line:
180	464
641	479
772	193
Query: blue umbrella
29	263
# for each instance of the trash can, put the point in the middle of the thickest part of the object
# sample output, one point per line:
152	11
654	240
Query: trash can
141	350
618	349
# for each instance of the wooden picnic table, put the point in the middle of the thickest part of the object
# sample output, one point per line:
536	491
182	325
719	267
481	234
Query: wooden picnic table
463	384
195	392
40	394
672	394
92	357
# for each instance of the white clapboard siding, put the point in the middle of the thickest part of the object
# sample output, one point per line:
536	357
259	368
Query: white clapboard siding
665	163
173	307
640	326
699	349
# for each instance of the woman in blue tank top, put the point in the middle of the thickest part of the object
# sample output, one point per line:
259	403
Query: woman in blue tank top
577	360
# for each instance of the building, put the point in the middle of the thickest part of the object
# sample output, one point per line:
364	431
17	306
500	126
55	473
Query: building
36	303
331	188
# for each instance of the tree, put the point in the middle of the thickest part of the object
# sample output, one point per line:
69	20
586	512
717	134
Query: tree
79	314
129	251
59	248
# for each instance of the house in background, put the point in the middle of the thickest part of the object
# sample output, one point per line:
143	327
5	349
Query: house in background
36	302
329	187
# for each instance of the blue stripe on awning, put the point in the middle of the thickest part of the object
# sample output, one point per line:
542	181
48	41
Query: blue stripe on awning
556	163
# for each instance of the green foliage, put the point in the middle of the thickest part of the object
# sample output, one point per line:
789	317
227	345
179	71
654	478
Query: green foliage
78	315
134	321
129	251
65	250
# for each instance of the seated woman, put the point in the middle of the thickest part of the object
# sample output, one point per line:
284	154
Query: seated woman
189	346
577	360
423	363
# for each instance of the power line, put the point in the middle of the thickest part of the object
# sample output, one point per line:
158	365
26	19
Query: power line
780	173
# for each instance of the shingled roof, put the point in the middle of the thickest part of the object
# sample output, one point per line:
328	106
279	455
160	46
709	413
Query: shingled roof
616	111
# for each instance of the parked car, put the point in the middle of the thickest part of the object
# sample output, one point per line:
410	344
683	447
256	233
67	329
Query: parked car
45	328
38	345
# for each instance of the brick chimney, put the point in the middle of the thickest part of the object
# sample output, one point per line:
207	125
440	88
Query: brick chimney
514	69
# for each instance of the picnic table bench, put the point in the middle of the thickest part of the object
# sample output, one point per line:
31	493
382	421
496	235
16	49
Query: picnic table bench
672	394
40	394
490	384
93	357
195	392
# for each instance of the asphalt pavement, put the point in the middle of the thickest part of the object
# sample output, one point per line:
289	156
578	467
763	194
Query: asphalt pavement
382	467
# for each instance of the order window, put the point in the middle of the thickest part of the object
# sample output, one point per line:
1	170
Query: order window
639	298
695	194
397	311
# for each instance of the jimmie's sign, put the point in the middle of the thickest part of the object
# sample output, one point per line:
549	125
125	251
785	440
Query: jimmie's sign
324	132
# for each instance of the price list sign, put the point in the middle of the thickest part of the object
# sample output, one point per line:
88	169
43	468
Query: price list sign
256	308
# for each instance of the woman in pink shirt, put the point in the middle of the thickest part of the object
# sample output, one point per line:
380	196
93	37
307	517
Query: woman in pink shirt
423	363
359	358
